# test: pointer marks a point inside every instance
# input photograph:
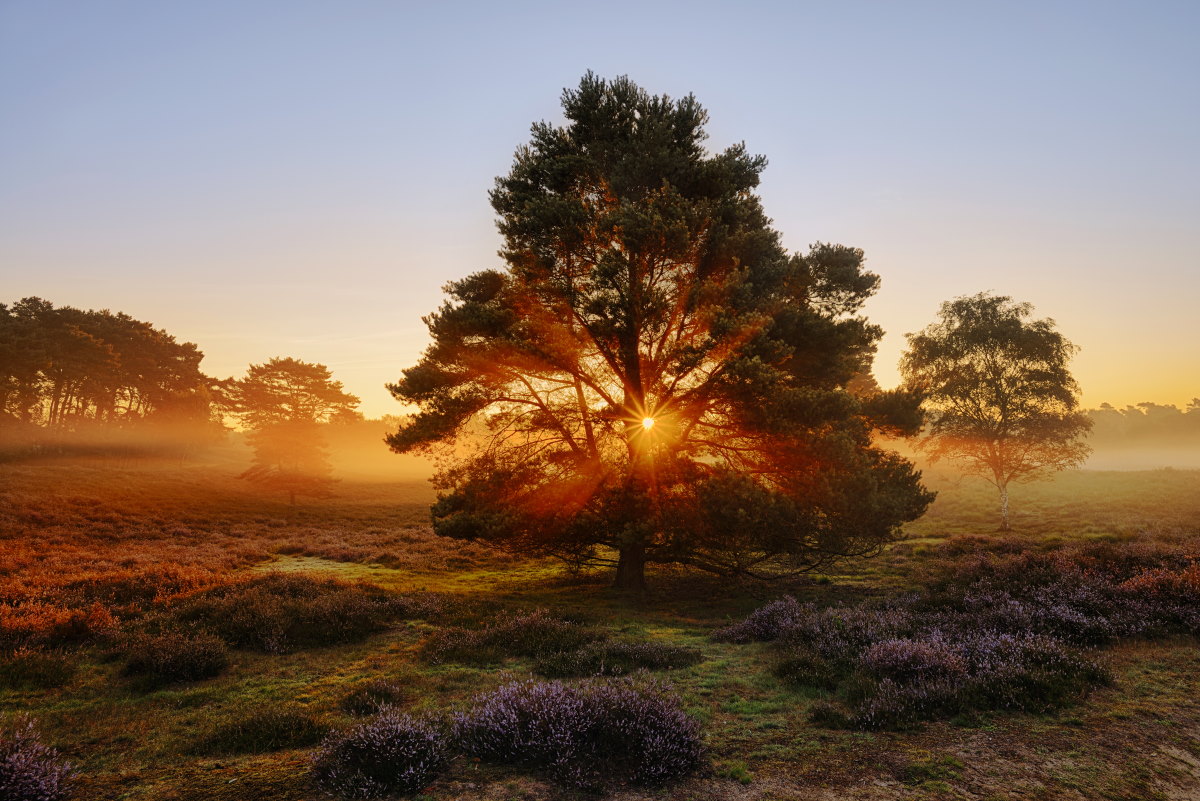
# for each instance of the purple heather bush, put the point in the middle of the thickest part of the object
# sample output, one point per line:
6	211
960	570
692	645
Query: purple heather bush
585	735
901	682
766	623
391	754
840	633
29	769
914	660
994	631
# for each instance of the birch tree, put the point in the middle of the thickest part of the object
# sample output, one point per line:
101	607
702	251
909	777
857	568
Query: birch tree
999	396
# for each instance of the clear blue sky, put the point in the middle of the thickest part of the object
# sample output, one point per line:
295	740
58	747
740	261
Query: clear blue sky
299	179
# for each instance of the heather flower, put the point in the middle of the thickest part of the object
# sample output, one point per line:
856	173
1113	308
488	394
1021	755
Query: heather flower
584	735
765	623
29	769
390	754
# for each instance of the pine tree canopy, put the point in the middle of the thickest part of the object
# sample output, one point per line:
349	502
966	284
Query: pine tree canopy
651	377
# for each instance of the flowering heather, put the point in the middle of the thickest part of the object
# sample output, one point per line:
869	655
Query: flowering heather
30	770
586	735
914	660
840	633
937	676
388	755
994	632
765	623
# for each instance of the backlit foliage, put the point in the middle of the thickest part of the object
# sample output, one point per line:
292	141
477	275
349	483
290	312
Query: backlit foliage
282	403
653	377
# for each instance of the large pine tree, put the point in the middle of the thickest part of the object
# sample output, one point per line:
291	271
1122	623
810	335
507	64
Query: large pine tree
653	378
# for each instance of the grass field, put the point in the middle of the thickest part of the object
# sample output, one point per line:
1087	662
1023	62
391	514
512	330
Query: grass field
92	551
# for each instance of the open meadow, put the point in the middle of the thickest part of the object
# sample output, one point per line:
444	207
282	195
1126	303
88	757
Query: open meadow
176	634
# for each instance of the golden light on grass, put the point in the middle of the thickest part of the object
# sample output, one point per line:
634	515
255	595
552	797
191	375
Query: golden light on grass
647	423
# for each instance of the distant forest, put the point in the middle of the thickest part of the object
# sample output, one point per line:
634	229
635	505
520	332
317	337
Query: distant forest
62	366
66	371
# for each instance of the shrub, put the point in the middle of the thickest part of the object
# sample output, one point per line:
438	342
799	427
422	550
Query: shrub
25	667
829	715
280	612
616	659
29	769
372	697
270	728
806	668
914	660
586	735
889	705
1030	673
174	656
532	634
840	633
1174	594
134	590
995	633
905	682
390	754
765	623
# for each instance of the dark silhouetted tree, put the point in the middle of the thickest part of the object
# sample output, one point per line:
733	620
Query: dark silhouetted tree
652	378
70	377
283	404
999	396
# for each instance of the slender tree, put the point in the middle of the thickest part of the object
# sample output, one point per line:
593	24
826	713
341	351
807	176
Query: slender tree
999	395
283	404
652	378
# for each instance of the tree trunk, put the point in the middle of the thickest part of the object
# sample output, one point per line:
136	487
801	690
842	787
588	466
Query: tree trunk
1004	525
631	569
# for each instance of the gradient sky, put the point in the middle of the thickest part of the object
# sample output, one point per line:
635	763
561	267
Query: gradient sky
300	179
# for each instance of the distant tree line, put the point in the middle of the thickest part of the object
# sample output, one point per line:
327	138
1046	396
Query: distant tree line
75	381
62	368
1146	425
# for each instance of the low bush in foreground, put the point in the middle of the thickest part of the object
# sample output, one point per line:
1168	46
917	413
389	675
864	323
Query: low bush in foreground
584	736
29	769
922	679
270	728
174	656
25	667
999	631
532	634
615	658
388	755
372	697
281	612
